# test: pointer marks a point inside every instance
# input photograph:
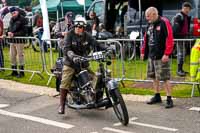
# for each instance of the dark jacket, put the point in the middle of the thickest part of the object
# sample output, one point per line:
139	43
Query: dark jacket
162	39
79	45
178	25
18	27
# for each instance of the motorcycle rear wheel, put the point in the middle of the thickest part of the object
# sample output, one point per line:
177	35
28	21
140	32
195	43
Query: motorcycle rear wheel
119	107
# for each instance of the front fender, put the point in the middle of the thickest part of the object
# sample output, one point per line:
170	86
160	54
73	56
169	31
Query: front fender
112	84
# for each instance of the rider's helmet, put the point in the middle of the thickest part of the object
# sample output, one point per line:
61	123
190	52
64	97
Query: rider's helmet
80	21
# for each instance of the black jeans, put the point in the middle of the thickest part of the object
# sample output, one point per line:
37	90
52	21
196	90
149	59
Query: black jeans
180	52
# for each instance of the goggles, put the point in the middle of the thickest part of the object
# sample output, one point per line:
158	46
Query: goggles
79	24
80	27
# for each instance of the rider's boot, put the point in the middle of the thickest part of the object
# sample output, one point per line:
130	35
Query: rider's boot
63	95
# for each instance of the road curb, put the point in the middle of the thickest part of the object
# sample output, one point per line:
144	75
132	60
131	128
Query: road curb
43	90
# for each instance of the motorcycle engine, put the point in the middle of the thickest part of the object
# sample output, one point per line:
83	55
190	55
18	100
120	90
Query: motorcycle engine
88	96
86	89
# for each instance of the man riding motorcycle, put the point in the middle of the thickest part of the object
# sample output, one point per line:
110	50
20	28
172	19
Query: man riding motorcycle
78	44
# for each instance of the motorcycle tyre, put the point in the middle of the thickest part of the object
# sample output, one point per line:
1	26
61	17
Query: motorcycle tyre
124	117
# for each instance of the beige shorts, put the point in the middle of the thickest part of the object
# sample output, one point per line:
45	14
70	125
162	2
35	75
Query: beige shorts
158	70
67	77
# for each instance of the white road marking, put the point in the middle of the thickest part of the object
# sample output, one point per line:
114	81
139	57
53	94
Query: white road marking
119	123
93	132
36	119
146	125
4	105
195	108
154	126
115	130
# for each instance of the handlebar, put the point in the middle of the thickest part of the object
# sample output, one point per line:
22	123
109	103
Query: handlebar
100	55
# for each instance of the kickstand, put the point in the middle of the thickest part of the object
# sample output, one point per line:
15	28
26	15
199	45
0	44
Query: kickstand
122	83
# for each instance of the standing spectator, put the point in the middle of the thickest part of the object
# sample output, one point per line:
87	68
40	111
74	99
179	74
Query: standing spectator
124	11
181	28
62	29
103	33
195	62
37	19
29	26
17	28
111	17
52	26
158	46
95	23
1	45
38	29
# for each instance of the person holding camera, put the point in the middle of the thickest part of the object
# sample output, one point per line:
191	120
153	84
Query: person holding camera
62	28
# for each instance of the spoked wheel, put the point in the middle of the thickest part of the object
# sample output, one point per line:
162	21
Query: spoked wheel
119	106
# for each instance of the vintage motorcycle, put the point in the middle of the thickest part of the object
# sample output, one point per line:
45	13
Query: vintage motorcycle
84	95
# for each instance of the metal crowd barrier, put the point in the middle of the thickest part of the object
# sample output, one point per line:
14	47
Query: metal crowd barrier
131	56
33	62
117	61
51	56
126	63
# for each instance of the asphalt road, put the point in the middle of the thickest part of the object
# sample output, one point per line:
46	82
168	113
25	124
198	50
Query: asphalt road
22	112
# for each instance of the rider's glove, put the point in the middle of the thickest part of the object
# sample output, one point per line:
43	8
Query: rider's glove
84	62
76	60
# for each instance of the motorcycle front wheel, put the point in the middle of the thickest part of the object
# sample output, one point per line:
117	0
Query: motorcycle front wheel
119	106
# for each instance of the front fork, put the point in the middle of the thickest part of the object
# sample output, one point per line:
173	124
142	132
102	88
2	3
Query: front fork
111	86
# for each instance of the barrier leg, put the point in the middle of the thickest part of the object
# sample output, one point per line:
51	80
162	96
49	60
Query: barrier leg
34	74
50	78
193	88
31	76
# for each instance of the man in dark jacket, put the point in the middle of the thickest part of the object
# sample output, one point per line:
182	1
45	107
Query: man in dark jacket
62	28
158	46
17	28
181	28
78	43
95	23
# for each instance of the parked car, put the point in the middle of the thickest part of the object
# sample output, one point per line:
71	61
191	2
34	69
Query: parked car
132	21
